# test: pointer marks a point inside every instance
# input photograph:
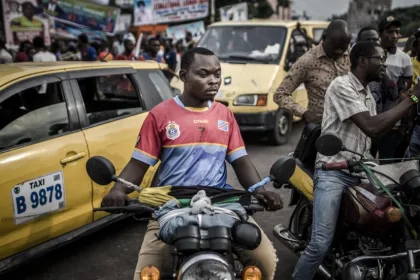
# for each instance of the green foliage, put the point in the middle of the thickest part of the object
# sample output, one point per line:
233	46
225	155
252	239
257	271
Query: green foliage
409	18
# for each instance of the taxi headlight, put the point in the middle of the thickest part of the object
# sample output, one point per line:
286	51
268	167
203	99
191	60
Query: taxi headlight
205	267
251	100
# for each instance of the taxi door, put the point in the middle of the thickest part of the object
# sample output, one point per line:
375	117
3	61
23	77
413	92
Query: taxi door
111	113
44	189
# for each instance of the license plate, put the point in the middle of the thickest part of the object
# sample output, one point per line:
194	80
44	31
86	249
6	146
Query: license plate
38	196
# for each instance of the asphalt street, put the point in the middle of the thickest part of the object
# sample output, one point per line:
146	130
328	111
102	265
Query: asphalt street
111	254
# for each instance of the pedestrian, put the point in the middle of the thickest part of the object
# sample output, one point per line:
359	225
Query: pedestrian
104	53
55	49
41	53
400	71
87	51
72	53
22	55
414	146
129	45
5	56
381	90
118	45
152	49
316	69
170	58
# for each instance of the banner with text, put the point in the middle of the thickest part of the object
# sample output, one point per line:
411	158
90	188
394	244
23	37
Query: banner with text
234	12
177	32
82	14
166	11
23	21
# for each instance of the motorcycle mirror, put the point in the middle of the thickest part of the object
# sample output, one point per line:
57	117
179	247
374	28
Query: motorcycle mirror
283	169
101	170
329	145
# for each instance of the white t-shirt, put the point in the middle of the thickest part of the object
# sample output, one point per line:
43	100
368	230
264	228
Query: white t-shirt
5	57
42	56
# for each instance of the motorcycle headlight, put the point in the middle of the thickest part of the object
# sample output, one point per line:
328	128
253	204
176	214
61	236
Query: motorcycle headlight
251	100
205	267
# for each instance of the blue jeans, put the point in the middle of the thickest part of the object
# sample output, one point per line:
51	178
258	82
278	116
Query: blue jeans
329	187
414	146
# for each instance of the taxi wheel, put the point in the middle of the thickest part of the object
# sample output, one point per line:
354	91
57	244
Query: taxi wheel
282	128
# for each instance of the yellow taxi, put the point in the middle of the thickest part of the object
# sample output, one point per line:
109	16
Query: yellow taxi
53	118
255	56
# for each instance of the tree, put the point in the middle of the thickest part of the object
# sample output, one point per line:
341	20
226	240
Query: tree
409	18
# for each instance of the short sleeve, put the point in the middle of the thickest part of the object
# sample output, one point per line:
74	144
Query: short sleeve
407	67
345	100
149	143
236	147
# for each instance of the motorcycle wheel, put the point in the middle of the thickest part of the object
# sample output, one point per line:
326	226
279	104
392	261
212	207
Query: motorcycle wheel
301	225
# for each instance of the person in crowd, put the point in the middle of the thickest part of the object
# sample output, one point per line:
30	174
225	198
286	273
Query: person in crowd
170	57
87	51
400	71
104	52
382	90
179	50
414	146
31	52
5	56
189	43
27	19
197	99
350	114
316	69
152	49
22	55
72	53
129	44
41	53
56	49
118	45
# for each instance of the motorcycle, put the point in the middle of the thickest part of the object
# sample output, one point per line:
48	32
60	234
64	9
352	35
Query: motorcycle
376	236
206	253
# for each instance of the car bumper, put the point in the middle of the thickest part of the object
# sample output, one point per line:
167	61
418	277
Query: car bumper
256	121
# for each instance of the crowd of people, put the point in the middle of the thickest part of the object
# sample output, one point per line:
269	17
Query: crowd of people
367	95
123	47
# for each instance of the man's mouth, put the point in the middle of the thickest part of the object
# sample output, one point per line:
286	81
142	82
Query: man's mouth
212	91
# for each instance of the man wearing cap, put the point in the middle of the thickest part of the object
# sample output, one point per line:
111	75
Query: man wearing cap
400	71
129	42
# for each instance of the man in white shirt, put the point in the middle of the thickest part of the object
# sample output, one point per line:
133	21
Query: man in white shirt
5	56
42	55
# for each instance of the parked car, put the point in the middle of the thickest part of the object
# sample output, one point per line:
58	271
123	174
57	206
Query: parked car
255	56
53	118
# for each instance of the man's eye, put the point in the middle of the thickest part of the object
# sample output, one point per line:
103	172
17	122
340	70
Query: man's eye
218	75
203	75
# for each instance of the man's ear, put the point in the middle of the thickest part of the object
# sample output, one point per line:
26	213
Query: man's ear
183	75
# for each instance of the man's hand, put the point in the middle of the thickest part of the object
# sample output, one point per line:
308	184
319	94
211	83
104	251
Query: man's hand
116	197
272	201
311	117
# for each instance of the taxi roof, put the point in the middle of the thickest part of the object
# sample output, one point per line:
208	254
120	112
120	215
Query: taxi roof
13	71
270	22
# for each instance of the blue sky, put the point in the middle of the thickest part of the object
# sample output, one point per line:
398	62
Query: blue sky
322	9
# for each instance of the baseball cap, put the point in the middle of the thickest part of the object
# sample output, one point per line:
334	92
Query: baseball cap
129	37
387	22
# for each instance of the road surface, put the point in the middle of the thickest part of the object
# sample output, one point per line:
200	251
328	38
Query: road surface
111	254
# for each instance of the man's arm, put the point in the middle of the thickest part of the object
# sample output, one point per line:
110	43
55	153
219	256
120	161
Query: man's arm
283	94
246	172
376	126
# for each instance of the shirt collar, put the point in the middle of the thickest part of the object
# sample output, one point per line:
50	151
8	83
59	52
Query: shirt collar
320	52
357	84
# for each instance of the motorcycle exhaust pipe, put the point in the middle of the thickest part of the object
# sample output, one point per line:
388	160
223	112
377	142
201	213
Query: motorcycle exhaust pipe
294	244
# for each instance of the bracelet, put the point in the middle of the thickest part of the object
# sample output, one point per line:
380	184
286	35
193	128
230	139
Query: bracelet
414	98
258	185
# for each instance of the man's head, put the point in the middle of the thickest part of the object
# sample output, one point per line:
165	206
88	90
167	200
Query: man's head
38	43
129	42
368	34
201	73
188	37
83	39
389	31
368	59
28	10
153	44
337	39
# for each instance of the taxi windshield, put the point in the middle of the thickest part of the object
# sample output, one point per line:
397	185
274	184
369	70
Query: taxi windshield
249	44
